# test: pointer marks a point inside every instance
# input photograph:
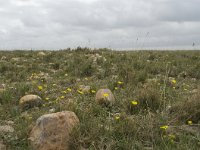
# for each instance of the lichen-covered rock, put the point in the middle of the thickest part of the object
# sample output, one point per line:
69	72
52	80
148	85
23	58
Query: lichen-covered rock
29	101
52	131
105	97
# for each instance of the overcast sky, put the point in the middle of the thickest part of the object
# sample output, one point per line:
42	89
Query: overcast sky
116	24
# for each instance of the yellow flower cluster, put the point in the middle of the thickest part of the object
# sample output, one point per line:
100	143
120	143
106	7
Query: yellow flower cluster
173	81
40	87
69	89
134	102
105	94
164	127
80	92
120	82
117	117
189	122
46	98
93	91
116	88
62	97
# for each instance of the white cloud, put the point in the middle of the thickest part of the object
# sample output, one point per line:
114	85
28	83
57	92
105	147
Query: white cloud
55	24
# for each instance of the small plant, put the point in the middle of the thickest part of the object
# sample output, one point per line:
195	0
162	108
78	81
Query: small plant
6	97
149	99
188	110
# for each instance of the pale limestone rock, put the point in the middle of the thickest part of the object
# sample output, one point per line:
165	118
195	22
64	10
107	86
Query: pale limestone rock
6	129
29	101
52	131
104	96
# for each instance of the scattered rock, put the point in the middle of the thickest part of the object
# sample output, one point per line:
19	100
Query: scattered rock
3	58
194	91
52	131
41	54
52	110
2	90
154	80
194	79
3	86
85	89
10	122
183	74
15	59
104	96
78	80
96	57
29	101
6	129
2	146
25	115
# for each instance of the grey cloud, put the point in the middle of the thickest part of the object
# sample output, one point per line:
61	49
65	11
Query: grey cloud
178	11
54	24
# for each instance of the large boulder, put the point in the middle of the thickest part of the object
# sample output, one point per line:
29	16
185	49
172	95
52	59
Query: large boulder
52	131
29	101
105	97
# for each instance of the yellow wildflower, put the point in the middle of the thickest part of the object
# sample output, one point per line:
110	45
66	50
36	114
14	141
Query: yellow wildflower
40	88
93	91
164	127
62	97
54	84
117	117
134	102
189	122
116	88
105	94
65	92
173	81
80	92
119	82
46	98
68	89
